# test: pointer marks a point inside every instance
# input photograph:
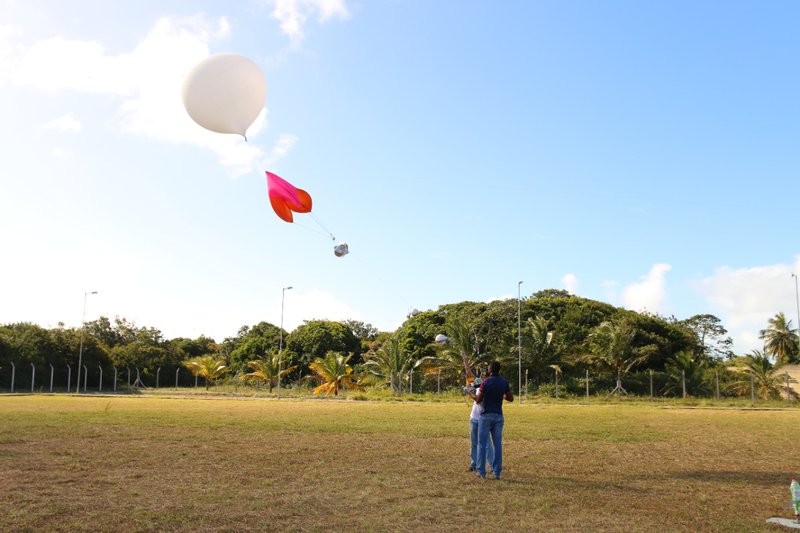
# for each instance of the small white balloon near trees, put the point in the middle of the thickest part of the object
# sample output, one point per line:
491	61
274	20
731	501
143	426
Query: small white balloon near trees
225	93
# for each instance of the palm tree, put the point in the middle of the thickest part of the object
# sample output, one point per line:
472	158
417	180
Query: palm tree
539	350
266	371
780	340
461	353
766	381
682	366
611	346
208	367
389	363
334	373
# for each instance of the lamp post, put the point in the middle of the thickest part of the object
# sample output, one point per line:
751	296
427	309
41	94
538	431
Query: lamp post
80	350
280	344
797	299
519	334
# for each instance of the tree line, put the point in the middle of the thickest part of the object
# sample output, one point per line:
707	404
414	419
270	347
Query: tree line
561	337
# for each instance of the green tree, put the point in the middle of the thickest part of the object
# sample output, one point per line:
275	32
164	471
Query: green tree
765	376
254	343
611	346
683	365
388	364
334	374
316	338
266	371
780	340
416	334
711	338
208	367
192	348
539	351
460	354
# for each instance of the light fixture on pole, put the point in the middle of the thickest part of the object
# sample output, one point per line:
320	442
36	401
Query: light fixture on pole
80	350
519	334
280	344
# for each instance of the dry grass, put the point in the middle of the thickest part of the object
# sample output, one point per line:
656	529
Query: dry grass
144	464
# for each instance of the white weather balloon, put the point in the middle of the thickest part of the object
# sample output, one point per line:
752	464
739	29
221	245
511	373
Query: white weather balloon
225	93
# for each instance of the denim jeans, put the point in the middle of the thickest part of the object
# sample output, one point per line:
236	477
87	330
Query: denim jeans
490	425
473	446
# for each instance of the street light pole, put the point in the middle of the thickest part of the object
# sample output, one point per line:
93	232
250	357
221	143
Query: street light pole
280	344
519	334
80	350
797	299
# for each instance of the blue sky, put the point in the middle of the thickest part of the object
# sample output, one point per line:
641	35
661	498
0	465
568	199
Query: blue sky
640	153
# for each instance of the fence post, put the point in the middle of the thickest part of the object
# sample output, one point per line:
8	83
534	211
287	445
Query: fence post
100	384
752	388
129	378
438	381
51	377
651	384
158	374
716	377
411	381
13	375
33	375
195	381
526	384
556	372
788	397
69	377
115	379
85	377
176	377
683	383
138	383
587	384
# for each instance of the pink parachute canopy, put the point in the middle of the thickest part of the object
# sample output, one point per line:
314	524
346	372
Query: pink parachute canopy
286	198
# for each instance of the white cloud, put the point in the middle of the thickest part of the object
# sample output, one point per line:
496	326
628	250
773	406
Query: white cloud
285	143
63	123
147	80
648	294
61	153
570	282
293	14
745	298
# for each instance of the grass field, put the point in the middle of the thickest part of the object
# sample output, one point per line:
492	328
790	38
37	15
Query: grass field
142	464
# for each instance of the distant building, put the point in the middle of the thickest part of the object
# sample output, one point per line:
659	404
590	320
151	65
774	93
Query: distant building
794	376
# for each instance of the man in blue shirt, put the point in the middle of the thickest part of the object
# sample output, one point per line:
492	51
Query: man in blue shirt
493	391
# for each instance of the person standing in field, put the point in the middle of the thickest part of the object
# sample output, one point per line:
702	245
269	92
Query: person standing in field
474	420
490	395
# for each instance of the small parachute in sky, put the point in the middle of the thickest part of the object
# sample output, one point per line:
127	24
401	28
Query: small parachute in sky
287	199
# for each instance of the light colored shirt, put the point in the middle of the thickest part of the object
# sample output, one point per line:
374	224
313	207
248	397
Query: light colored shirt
477	411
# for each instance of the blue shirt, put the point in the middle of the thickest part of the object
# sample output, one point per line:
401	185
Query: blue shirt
494	390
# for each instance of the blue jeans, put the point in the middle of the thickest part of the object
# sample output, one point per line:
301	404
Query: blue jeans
473	446
491	424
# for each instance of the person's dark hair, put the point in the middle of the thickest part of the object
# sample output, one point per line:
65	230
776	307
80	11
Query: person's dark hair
494	368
